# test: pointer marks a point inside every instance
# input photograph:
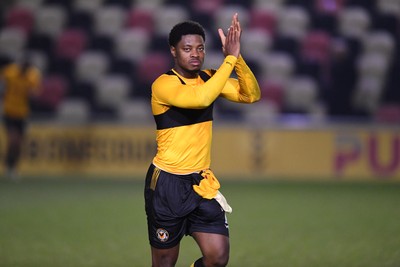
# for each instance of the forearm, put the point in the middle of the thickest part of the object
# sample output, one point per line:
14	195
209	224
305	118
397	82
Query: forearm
249	89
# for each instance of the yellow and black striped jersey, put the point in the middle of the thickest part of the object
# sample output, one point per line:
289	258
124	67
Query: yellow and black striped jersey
18	88
182	109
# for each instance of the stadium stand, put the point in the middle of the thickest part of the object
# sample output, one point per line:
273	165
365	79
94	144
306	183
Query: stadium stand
341	55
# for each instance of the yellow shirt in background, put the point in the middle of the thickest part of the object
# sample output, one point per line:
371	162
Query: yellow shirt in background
18	89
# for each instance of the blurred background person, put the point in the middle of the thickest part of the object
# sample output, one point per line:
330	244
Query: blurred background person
19	81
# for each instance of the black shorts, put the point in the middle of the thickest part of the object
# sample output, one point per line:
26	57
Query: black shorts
18	125
174	209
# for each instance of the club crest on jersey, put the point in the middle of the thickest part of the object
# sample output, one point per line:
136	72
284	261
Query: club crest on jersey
162	235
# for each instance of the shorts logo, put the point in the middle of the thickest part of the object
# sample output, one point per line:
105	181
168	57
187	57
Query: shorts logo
162	235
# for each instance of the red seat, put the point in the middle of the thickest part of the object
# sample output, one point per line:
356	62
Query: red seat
272	92
206	6
54	88
140	18
152	66
316	46
70	44
263	19
20	17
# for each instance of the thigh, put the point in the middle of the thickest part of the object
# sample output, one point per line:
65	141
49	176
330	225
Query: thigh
164	257
168	201
208	217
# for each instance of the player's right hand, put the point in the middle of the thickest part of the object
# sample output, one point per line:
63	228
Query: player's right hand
231	42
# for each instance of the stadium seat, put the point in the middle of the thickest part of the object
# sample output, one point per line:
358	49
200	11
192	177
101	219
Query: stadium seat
140	18
301	94
112	90
39	59
272	93
293	21
148	4
223	16
70	44
30	4
109	20
263	19
367	95
353	22
134	111
379	42
206	6
277	67
73	111
149	68
373	64
272	5
329	7
50	20
91	66
87	5
166	17
12	42
132	44
53	90
21	18
255	43
316	46
213	59
388	6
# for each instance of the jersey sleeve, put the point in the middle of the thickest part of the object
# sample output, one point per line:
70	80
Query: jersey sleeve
168	90
245	88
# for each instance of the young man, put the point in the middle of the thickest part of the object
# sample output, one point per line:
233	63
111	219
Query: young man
20	80
181	192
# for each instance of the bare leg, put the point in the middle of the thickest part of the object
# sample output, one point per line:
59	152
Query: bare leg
214	247
164	257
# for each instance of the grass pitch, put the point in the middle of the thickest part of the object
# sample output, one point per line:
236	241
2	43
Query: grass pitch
85	223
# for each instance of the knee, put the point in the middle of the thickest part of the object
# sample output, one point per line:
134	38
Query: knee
216	260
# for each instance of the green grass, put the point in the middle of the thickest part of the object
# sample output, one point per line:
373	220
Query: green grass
84	223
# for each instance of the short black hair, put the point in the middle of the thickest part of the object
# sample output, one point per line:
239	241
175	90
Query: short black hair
185	28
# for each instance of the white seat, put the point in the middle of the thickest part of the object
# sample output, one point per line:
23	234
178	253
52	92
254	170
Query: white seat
50	20
277	67
132	44
223	16
109	20
91	66
213	59
368	94
301	94
381	42
272	5
148	4
373	64
293	21
75	111
112	90
87	5
389	7
255	42
12	42
354	22
167	16
39	59
135	111
31	4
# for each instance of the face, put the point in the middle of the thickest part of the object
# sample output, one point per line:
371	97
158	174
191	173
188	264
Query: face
189	55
